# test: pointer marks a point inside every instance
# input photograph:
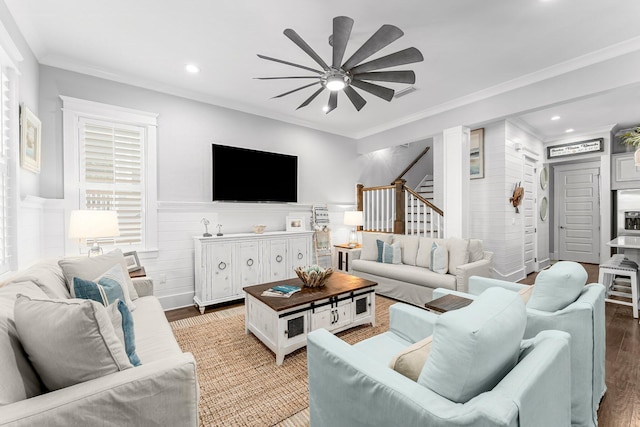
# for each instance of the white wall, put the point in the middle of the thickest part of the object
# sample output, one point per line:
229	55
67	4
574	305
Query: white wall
327	164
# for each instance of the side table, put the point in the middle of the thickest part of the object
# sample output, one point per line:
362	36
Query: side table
341	256
447	303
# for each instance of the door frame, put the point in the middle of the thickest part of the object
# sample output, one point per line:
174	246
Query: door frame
569	167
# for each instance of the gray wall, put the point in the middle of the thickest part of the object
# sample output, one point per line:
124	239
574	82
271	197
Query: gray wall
186	130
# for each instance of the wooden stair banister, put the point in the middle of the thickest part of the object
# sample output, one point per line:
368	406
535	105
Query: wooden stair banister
425	201
398	222
412	164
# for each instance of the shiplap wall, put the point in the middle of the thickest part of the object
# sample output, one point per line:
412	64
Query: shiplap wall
172	265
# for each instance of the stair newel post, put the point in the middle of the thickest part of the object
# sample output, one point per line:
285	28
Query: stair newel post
398	223
360	203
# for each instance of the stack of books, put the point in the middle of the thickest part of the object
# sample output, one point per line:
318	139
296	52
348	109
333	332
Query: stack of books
282	291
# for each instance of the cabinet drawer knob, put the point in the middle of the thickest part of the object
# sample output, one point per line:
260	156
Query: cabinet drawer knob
222	265
279	258
250	262
300	256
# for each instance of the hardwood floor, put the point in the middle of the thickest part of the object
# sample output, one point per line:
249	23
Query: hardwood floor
621	404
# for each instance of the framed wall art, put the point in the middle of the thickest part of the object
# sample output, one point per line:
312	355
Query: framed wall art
476	153
30	129
132	261
295	223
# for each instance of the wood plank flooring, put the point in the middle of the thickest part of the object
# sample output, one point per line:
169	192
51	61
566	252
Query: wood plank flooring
621	404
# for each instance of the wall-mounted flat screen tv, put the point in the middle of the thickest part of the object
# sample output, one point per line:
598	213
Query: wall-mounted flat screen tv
244	175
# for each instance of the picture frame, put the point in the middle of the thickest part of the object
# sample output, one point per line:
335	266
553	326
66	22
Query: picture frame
30	140
476	154
295	223
132	261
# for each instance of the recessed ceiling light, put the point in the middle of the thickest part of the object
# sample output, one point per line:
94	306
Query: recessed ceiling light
555	118
192	68
325	108
569	130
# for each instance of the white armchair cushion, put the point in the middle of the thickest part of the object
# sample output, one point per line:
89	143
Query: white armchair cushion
476	346
558	286
68	341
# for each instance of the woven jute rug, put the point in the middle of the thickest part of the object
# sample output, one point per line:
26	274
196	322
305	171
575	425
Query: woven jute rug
240	383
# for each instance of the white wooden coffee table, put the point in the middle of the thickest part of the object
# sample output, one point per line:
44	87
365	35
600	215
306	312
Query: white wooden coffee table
282	324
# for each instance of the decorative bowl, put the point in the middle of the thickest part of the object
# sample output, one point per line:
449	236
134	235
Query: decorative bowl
313	276
259	229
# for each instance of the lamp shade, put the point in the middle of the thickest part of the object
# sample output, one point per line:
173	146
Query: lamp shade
93	224
353	218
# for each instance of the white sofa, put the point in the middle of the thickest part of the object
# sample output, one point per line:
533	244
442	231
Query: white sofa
163	390
411	280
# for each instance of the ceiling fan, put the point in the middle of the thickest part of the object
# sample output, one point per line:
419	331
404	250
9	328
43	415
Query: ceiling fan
352	73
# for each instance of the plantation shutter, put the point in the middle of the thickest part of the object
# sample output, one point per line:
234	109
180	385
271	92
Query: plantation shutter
112	175
8	128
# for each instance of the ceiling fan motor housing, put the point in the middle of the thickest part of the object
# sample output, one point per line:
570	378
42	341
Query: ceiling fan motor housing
335	79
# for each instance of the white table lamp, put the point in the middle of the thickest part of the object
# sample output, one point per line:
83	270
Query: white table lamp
93	225
353	218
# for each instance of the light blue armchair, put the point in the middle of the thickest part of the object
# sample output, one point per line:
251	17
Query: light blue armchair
353	385
583	318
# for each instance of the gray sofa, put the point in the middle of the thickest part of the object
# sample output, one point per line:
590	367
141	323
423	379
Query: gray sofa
162	391
412	280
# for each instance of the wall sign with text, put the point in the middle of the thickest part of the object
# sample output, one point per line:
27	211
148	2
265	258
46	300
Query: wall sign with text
575	148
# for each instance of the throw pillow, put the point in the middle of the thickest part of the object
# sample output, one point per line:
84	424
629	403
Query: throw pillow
525	293
439	262
369	250
458	252
89	268
423	256
410	361
19	380
122	322
389	254
105	290
68	341
558	286
409	246
476	251
476	346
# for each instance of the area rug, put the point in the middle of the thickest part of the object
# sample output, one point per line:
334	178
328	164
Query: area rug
240	383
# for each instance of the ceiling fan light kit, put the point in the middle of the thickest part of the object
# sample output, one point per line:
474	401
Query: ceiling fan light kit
353	72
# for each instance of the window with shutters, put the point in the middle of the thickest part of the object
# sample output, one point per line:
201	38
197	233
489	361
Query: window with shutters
8	163
112	155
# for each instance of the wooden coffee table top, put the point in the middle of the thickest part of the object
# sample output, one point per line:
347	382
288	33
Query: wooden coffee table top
447	303
337	284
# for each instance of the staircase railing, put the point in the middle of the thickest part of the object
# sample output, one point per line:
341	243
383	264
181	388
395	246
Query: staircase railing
398	209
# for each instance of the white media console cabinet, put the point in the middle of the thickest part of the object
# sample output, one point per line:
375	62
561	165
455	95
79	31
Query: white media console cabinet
226	264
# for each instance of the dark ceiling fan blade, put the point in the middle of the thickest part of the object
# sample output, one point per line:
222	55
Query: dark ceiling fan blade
379	91
385	35
355	98
268	58
388	76
294	37
341	32
311	98
295	90
406	56
286	77
333	102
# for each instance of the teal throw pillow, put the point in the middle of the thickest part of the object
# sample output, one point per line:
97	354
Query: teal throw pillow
129	335
105	291
439	260
389	254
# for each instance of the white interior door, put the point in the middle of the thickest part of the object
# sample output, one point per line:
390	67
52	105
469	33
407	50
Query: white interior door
577	199
529	211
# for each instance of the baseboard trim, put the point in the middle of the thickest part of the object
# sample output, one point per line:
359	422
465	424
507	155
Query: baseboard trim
514	276
172	302
542	264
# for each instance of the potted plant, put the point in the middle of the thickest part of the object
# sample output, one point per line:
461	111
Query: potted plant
631	138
